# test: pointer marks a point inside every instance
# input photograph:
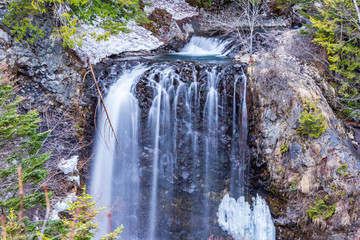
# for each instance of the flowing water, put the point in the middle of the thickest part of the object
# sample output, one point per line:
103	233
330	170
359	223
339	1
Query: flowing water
182	131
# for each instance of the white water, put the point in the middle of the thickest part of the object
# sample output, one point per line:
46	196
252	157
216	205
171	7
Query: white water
159	122
211	122
114	170
202	46
244	222
243	147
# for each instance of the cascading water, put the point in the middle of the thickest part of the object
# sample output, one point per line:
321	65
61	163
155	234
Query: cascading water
182	128
115	175
199	46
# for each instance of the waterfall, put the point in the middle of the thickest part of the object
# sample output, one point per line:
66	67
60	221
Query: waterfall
159	122
199	46
115	172
182	128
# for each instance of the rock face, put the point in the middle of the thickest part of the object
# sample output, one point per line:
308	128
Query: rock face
52	72
301	172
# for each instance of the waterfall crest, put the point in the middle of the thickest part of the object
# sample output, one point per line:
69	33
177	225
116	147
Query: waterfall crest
200	46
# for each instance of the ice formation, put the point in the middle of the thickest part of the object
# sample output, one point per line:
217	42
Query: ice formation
246	222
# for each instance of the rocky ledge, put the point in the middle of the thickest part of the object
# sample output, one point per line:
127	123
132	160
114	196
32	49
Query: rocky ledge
313	183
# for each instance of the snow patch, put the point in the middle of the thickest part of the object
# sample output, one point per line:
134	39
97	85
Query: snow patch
244	222
62	205
138	39
69	166
179	9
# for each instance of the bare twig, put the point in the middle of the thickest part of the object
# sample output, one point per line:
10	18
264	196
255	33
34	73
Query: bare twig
73	226
21	192
47	209
109	218
3	227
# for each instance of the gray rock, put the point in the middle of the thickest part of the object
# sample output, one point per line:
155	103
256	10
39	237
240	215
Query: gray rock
313	163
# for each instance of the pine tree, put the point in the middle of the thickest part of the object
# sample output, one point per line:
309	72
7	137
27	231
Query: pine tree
337	30
20	143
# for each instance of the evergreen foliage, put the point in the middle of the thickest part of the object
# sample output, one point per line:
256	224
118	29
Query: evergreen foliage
111	16
22	166
336	28
82	225
20	143
312	122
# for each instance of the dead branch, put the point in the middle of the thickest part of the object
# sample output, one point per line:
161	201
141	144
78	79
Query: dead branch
103	104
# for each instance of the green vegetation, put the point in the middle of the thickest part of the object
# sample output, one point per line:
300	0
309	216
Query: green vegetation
111	16
321	210
23	171
312	122
293	185
342	170
20	144
199	3
284	148
336	28
286	6
80	226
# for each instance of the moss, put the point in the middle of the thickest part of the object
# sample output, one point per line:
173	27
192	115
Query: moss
284	148
199	3
342	170
293	185
321	210
312	121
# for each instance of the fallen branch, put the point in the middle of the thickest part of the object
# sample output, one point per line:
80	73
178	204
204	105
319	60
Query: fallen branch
103	103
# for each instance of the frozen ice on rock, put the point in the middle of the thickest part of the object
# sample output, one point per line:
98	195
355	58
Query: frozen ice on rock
242	221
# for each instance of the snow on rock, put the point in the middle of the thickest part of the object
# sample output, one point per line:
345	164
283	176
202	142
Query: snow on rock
75	179
179	9
241	222
69	165
138	39
62	205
